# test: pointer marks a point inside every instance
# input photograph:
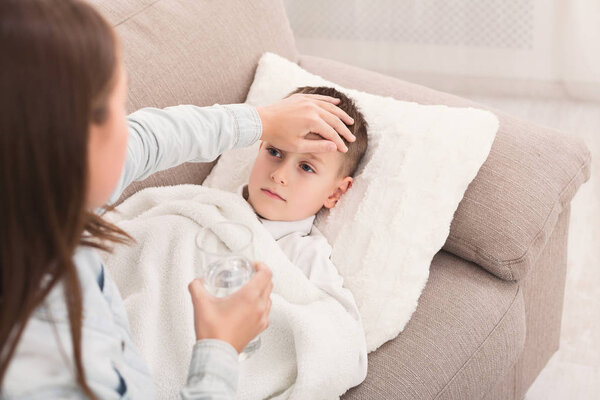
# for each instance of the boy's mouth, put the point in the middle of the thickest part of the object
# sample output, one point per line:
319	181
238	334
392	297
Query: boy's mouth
272	194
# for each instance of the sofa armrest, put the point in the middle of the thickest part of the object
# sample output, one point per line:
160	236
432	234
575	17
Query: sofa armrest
511	207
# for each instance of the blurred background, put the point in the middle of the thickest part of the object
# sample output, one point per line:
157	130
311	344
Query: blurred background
539	60
547	48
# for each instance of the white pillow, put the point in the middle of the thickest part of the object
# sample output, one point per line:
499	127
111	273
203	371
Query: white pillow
396	217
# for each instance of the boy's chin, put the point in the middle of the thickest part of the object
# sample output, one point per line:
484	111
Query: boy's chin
265	213
271	216
262	215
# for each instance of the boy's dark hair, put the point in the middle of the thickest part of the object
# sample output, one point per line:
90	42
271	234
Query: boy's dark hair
356	149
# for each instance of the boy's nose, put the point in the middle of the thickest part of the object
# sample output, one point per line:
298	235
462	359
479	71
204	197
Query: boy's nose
278	176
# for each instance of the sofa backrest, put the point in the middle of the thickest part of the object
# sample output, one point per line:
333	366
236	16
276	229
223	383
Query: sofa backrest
198	52
195	51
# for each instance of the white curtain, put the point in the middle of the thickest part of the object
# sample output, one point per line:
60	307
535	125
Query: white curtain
517	47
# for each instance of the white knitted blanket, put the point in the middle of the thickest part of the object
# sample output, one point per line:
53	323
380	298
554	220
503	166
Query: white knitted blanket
307	351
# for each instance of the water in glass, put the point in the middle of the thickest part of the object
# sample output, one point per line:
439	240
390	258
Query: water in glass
225	267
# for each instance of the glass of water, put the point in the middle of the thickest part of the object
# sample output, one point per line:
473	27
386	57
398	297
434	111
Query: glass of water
226	253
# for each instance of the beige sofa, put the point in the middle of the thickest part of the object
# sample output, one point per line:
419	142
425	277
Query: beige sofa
489	318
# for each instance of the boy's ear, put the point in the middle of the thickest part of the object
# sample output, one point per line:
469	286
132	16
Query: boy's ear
341	188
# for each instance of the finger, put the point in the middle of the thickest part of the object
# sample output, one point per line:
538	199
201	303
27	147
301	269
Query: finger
322	97
260	266
196	289
268	308
337	124
316	146
267	291
338	112
261	279
328	123
327	132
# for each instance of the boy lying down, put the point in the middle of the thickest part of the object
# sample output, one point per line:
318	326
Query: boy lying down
314	346
286	190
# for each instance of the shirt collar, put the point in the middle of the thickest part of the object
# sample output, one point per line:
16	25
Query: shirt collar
279	229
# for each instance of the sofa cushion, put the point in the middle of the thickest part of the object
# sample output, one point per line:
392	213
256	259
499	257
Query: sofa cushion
194	52
510	208
468	330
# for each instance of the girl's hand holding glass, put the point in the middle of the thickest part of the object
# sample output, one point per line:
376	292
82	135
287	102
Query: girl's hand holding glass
237	318
236	299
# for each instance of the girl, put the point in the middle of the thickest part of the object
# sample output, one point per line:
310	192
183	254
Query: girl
66	151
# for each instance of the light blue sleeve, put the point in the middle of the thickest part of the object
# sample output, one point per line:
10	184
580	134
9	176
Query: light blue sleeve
213	372
164	138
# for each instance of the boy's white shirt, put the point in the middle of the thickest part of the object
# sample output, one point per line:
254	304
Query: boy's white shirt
307	248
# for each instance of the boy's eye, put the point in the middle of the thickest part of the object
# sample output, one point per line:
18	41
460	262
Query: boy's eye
306	167
273	152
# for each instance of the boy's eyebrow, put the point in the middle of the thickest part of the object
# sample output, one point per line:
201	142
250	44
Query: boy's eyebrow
314	157
308	155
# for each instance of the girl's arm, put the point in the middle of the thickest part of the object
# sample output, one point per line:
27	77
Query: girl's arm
163	138
213	372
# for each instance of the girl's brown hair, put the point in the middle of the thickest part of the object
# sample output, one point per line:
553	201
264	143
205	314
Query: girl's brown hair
58	65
